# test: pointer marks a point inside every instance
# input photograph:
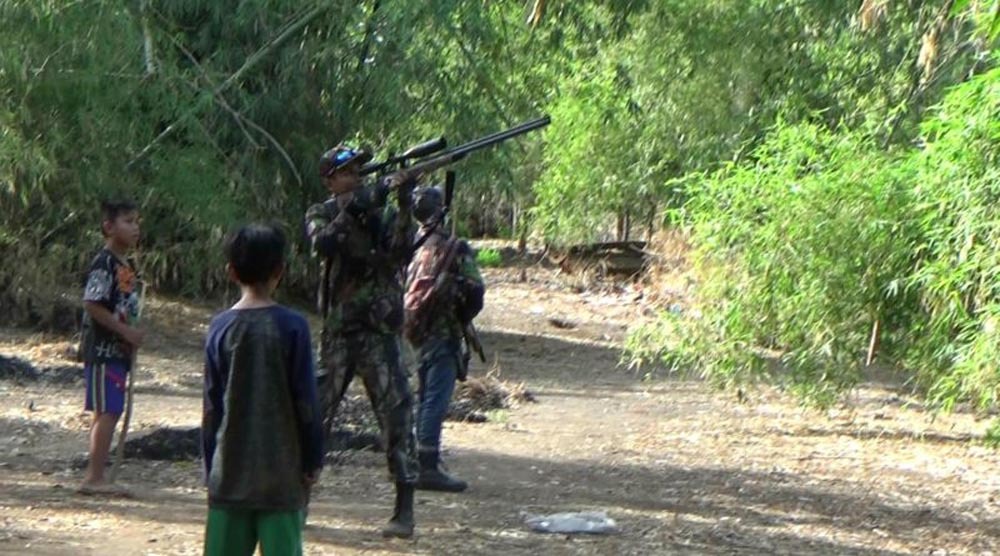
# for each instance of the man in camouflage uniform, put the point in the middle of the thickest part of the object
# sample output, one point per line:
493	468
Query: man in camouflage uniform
365	243
436	321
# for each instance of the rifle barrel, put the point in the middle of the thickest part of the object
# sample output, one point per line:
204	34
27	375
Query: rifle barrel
460	151
499	136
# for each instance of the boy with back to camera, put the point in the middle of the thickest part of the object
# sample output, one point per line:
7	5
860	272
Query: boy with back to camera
261	433
109	335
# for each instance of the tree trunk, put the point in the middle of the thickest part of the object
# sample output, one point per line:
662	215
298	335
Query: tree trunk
624	225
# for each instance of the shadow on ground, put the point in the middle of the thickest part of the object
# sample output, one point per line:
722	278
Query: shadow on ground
663	509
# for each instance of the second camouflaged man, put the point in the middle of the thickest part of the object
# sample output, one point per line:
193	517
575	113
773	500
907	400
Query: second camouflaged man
444	292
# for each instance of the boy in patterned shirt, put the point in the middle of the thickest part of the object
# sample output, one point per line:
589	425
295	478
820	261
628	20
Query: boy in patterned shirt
110	336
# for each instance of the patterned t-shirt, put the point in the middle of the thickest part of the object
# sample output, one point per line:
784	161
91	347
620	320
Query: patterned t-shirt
114	284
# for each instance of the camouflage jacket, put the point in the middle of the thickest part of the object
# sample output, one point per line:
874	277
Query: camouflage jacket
464	287
364	251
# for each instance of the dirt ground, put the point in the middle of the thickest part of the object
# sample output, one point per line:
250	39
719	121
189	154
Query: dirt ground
681	468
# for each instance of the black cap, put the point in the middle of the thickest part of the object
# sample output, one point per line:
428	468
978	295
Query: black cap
340	156
428	202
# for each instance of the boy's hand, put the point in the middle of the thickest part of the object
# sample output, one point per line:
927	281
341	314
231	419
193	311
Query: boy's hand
309	479
133	336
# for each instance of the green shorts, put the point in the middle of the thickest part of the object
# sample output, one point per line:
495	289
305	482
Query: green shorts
237	532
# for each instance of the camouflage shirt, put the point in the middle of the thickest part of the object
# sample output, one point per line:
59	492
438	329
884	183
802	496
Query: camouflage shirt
364	251
464	291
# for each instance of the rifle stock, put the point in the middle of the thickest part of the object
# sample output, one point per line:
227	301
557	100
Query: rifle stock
472	340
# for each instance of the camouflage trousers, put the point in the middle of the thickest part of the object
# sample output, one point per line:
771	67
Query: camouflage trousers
377	359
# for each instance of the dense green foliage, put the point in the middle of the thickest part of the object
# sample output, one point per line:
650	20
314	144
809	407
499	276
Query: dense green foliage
801	250
833	162
694	84
212	113
824	237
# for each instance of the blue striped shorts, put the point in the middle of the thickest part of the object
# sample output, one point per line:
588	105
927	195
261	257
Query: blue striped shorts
106	386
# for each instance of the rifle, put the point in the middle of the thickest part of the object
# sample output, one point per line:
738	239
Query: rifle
416	151
469	332
471	336
451	156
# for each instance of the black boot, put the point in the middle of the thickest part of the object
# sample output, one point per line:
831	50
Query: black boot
401	524
433	477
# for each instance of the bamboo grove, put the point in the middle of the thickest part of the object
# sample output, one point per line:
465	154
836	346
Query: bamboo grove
832	163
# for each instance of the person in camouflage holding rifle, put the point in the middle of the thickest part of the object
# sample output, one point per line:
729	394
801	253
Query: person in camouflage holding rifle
365	244
444	292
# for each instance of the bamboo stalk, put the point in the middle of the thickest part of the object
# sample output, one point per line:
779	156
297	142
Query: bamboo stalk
873	343
147	38
239	117
123	436
250	62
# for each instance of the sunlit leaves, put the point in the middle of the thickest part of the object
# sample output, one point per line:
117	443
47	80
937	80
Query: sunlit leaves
822	235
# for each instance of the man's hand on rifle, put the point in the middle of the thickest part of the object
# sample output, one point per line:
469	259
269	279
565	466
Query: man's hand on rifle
403	182
402	179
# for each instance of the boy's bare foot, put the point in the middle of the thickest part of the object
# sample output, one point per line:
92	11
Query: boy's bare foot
103	488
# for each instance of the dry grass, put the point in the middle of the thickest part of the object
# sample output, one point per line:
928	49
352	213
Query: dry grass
668	278
477	396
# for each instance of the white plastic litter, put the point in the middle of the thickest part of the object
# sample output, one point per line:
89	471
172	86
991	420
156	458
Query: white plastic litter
595	523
